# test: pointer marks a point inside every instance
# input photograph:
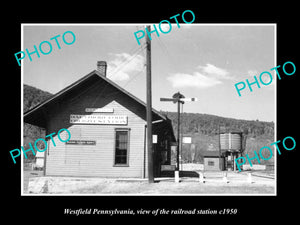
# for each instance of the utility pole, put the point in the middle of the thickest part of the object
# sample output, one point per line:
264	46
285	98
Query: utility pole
149	109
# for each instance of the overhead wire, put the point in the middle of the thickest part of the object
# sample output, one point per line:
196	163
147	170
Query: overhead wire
134	52
126	61
165	49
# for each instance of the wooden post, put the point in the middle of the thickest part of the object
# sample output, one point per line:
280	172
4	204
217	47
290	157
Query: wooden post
249	178
225	177
201	177
149	109
234	163
219	148
178	135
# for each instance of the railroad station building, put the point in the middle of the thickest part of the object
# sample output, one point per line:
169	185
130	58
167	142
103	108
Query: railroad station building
108	130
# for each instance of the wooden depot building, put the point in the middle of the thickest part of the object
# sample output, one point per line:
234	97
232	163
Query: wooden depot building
108	130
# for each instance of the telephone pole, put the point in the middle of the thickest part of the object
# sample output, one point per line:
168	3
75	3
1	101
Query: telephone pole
149	109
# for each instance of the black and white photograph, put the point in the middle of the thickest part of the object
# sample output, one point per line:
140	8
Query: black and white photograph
137	113
85	109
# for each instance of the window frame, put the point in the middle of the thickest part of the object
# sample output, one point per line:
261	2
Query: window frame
128	147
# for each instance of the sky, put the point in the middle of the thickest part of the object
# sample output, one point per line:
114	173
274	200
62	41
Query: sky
204	61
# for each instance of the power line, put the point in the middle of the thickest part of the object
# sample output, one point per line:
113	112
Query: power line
126	61
165	50
112	74
138	73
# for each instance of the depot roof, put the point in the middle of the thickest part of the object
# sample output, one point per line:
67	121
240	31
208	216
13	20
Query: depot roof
38	114
211	154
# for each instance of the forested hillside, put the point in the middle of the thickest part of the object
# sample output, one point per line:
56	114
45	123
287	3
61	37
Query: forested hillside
203	129
32	97
209	124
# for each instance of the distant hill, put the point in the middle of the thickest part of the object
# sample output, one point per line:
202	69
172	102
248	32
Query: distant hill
33	96
203	129
209	124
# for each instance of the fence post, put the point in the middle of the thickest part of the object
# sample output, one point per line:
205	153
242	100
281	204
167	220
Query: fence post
225	177
249	179
201	177
177	179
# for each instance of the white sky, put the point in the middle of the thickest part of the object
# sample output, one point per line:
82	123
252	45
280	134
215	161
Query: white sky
199	60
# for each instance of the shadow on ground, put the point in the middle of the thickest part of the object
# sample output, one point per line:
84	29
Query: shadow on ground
181	174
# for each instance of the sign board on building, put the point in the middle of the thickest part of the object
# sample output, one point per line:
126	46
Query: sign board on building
154	139
186	140
99	110
98	119
80	142
167	167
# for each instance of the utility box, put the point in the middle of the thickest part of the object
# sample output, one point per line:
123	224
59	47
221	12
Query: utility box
213	161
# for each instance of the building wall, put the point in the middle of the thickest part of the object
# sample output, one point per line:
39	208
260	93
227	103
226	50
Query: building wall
95	160
212	163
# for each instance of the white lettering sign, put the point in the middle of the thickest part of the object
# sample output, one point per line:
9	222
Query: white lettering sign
98	119
154	139
186	140
99	110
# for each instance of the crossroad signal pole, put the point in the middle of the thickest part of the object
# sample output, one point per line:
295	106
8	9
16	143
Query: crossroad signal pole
149	110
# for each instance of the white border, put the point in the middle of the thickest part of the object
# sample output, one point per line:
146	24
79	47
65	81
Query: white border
141	24
21	112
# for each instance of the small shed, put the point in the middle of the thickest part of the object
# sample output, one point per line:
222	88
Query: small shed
213	161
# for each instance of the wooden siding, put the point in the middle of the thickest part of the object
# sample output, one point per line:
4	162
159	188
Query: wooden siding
95	160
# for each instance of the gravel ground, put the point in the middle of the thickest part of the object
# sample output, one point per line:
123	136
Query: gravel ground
214	185
185	187
238	185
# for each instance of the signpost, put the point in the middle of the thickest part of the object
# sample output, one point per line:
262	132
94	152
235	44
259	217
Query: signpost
178	98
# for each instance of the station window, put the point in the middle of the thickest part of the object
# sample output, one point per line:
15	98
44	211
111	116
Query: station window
211	163
121	147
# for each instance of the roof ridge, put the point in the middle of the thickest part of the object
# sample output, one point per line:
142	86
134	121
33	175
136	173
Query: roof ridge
74	84
129	94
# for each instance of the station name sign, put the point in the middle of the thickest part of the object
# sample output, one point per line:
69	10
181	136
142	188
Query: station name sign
99	110
98	119
80	142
